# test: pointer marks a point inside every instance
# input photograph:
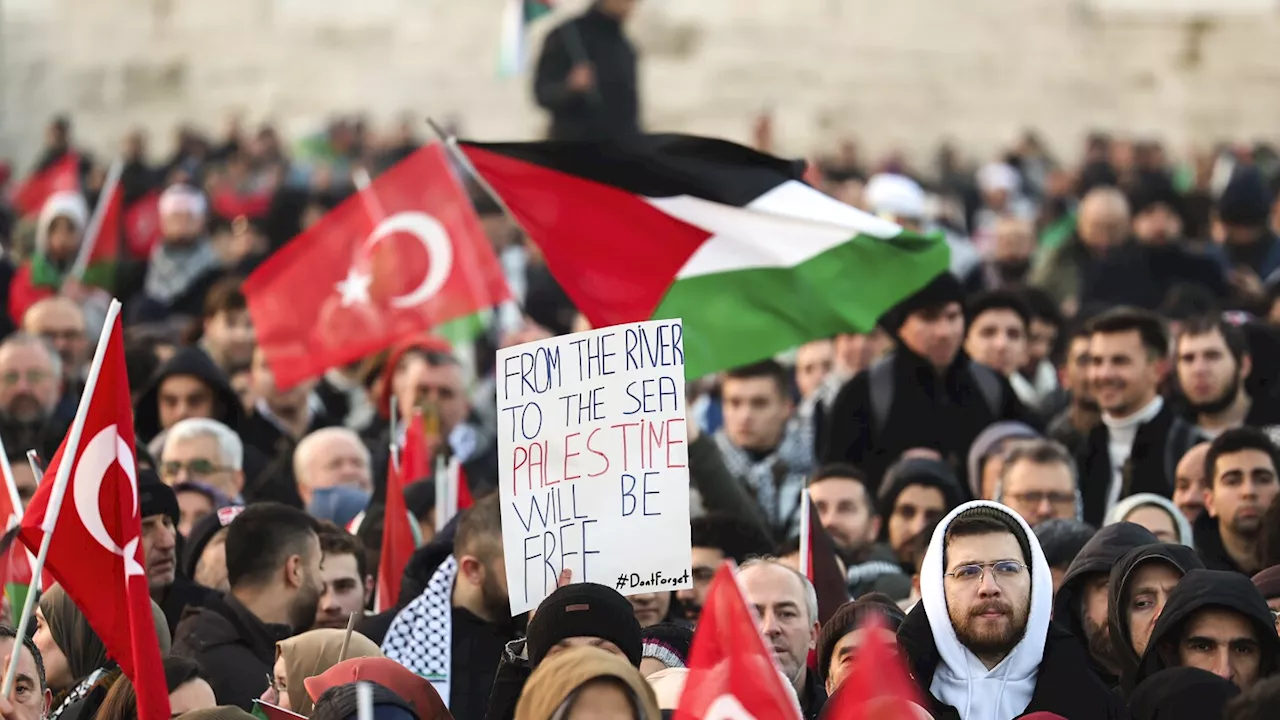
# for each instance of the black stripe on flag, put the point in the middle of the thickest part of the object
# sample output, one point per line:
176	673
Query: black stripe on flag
662	165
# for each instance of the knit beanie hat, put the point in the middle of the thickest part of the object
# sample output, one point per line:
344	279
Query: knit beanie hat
668	643
849	617
156	498
1004	518
584	610
1268	582
943	289
1246	200
202	532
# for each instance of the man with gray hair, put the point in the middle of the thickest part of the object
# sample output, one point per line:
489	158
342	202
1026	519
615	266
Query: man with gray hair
1038	481
332	466
30	386
205	455
787	607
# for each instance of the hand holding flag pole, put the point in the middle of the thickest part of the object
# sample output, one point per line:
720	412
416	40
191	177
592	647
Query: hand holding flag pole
63	478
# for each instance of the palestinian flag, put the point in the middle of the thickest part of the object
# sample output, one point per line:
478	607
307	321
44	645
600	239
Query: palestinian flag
727	238
517	15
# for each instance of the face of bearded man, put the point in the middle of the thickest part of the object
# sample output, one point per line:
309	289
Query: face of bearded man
989	614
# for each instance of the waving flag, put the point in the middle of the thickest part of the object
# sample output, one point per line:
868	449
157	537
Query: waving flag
725	237
731	674
398	258
516	18
95	550
62	176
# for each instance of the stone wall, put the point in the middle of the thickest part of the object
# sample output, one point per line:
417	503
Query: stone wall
895	73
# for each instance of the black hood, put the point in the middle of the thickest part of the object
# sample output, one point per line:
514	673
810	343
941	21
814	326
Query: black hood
916	471
1181	693
1210	588
1097	556
186	361
1179	556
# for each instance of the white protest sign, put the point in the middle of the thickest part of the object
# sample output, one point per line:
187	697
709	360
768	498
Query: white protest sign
593	461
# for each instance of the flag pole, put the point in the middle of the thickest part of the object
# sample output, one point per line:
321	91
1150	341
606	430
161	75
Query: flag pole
805	550
10	483
94	229
63	478
33	459
451	146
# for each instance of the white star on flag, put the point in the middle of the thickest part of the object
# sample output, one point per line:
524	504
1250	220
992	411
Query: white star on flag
355	288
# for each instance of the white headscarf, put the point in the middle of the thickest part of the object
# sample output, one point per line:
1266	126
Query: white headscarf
961	680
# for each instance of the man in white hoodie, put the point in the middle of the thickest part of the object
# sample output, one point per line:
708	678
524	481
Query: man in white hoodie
980	641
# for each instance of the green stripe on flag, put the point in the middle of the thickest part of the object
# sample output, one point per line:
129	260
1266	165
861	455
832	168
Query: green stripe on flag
742	316
16	595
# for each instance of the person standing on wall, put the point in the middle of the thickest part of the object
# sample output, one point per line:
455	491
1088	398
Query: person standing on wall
586	76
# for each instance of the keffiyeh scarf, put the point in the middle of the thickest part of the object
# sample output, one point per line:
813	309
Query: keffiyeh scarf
421	636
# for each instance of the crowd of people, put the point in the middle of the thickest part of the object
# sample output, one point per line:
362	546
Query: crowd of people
1050	474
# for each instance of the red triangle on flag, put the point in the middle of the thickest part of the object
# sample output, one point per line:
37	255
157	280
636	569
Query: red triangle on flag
730	670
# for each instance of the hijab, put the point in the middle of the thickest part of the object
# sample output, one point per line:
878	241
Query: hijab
390	674
314	652
553	686
84	650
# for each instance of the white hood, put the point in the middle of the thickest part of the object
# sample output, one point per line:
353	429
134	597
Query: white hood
70	205
961	680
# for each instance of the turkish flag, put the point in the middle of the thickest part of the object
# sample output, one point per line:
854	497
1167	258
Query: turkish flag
731	674
396	259
62	176
878	685
96	550
397	536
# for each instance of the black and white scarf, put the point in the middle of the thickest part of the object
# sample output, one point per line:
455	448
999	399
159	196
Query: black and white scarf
777	480
77	694
172	270
421	636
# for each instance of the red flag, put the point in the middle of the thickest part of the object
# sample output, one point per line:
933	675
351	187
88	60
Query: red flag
397	536
142	225
62	176
463	490
878	685
401	256
730	671
823	570
96	550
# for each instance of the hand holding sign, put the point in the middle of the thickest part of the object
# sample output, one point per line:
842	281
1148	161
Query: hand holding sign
593	461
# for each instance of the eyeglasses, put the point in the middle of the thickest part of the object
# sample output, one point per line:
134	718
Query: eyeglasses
1000	570
195	468
33	377
1036	497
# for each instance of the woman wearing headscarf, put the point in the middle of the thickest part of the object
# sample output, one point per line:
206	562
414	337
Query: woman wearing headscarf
1155	513
584	682
59	233
307	655
414	689
77	668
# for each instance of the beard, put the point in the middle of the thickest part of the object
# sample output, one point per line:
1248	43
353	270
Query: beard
986	641
493	597
1099	642
1248	528
302	612
1224	401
